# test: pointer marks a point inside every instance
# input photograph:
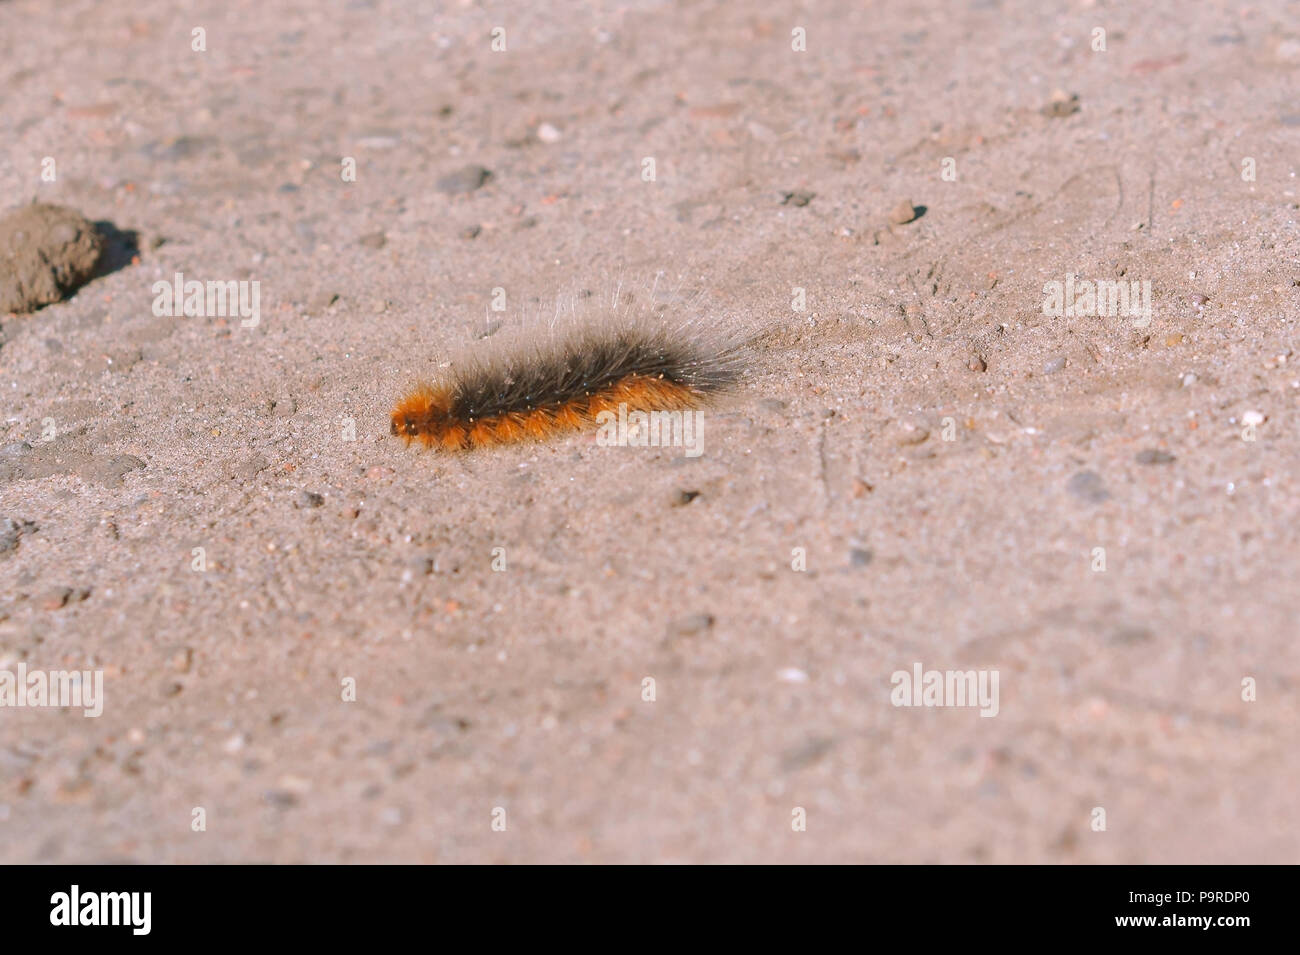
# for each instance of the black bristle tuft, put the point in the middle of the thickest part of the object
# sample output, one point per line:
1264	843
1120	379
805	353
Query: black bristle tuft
587	361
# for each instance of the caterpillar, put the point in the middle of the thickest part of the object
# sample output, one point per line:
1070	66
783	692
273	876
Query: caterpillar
535	390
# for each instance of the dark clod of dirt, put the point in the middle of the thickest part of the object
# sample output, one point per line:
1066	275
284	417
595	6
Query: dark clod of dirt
691	625
11	532
46	253
1088	486
1061	105
800	197
806	753
308	499
1154	456
109	471
280	798
1129	636
860	557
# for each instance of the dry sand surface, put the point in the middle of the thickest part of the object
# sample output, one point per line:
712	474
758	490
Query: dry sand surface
919	467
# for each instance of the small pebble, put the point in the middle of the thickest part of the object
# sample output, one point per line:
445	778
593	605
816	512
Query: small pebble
799	197
1053	366
548	133
321	301
792	675
680	498
908	434
1252	418
56	598
690	625
379	140
903	213
307	499
421	566
373	240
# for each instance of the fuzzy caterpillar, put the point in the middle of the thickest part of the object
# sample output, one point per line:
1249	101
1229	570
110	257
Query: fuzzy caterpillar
534	391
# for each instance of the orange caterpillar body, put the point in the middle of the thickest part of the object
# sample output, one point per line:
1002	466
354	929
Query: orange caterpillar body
532	394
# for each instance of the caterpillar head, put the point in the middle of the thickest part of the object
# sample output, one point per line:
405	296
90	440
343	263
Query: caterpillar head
422	414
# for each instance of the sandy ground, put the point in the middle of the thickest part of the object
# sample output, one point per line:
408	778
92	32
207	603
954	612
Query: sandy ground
946	456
